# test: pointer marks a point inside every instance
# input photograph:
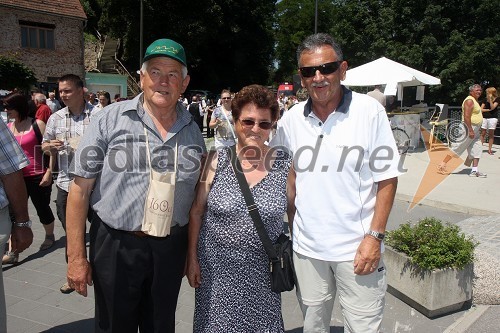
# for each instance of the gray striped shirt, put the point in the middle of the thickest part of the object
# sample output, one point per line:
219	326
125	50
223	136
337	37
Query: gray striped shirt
113	150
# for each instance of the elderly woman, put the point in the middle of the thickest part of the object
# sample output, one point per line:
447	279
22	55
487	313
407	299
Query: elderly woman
227	263
38	179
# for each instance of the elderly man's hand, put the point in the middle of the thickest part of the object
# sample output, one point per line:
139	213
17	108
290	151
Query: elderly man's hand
368	256
21	238
79	275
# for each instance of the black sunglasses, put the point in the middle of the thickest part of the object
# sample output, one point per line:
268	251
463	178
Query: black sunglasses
324	69
265	125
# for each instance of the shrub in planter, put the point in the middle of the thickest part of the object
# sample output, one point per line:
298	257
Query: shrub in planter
430	266
432	245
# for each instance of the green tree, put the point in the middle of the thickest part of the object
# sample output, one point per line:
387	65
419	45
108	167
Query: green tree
15	74
455	40
228	43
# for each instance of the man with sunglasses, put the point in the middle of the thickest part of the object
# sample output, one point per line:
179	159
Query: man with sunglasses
345	169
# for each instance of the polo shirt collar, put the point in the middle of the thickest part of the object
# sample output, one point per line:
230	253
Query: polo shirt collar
343	106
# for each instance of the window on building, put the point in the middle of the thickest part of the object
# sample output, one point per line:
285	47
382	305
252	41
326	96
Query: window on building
37	35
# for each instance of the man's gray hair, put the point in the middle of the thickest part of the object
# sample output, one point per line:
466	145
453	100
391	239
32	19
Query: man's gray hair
474	86
144	68
40	98
316	41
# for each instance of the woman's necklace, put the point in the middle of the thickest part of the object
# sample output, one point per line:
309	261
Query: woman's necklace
20	128
228	112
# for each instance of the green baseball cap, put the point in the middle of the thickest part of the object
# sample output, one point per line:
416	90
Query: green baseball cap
165	48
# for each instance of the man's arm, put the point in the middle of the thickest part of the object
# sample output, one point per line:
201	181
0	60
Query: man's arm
15	189
368	253
468	107
290	196
79	271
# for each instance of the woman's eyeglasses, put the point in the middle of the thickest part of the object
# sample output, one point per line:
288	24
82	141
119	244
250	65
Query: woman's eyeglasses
265	125
324	69
226	98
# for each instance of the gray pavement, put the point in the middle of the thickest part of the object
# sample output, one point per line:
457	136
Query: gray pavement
35	304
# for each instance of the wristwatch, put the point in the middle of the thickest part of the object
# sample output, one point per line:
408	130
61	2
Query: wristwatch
378	235
26	224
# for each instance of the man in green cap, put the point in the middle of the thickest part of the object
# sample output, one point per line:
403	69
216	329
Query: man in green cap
137	165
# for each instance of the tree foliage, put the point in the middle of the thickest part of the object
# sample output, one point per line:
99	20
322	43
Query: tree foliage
14	74
231	43
228	43
455	40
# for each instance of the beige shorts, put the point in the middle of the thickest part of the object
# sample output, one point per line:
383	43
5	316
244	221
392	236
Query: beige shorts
362	297
473	146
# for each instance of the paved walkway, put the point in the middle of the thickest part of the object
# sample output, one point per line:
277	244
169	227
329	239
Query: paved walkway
34	303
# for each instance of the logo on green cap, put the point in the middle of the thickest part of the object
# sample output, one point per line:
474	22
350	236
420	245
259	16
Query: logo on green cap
166	48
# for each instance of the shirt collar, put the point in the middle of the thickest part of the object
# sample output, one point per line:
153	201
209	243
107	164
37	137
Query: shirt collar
343	106
136	104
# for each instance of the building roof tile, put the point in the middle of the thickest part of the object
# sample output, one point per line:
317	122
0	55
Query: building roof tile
68	8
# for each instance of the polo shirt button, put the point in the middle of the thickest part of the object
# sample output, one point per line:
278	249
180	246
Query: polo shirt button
320	123
321	136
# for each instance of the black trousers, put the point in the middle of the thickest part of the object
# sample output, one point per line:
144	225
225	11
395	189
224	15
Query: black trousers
136	279
40	197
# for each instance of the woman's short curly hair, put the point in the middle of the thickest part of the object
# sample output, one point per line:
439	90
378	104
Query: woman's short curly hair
256	94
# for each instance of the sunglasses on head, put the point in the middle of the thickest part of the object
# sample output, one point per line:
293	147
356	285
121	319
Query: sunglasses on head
324	69
249	123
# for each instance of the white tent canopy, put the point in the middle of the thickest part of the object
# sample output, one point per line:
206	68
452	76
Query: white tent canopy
387	71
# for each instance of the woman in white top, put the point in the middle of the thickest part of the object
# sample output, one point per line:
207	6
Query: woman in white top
222	121
104	100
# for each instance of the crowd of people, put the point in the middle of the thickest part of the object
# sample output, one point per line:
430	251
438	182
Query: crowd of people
161	206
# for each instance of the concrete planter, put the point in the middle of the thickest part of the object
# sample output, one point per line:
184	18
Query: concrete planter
433	293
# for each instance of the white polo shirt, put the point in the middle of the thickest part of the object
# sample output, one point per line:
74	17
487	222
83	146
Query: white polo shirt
338	164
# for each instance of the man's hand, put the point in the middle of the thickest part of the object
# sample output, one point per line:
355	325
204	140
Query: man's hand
21	238
471	133
367	256
53	145
79	275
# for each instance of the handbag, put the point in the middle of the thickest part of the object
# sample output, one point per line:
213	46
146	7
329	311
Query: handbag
280	253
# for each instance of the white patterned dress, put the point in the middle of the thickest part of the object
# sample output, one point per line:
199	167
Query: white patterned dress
235	293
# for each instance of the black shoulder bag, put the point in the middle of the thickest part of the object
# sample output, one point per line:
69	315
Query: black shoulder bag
39	138
280	254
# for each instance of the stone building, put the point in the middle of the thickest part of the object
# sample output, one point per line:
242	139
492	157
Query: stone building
45	35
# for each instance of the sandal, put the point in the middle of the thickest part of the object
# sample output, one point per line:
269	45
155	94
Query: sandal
48	242
66	289
441	169
10	258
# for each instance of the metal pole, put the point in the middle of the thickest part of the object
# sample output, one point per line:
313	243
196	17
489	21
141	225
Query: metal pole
140	36
316	17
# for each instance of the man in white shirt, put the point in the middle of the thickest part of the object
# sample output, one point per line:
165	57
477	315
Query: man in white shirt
345	169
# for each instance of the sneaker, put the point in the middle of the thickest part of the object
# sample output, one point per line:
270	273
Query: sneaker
66	289
10	258
477	174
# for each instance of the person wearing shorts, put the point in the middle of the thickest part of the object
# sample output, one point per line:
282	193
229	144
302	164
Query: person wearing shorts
490	116
468	136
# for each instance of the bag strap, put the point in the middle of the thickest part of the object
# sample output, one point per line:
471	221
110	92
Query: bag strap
38	133
251	206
